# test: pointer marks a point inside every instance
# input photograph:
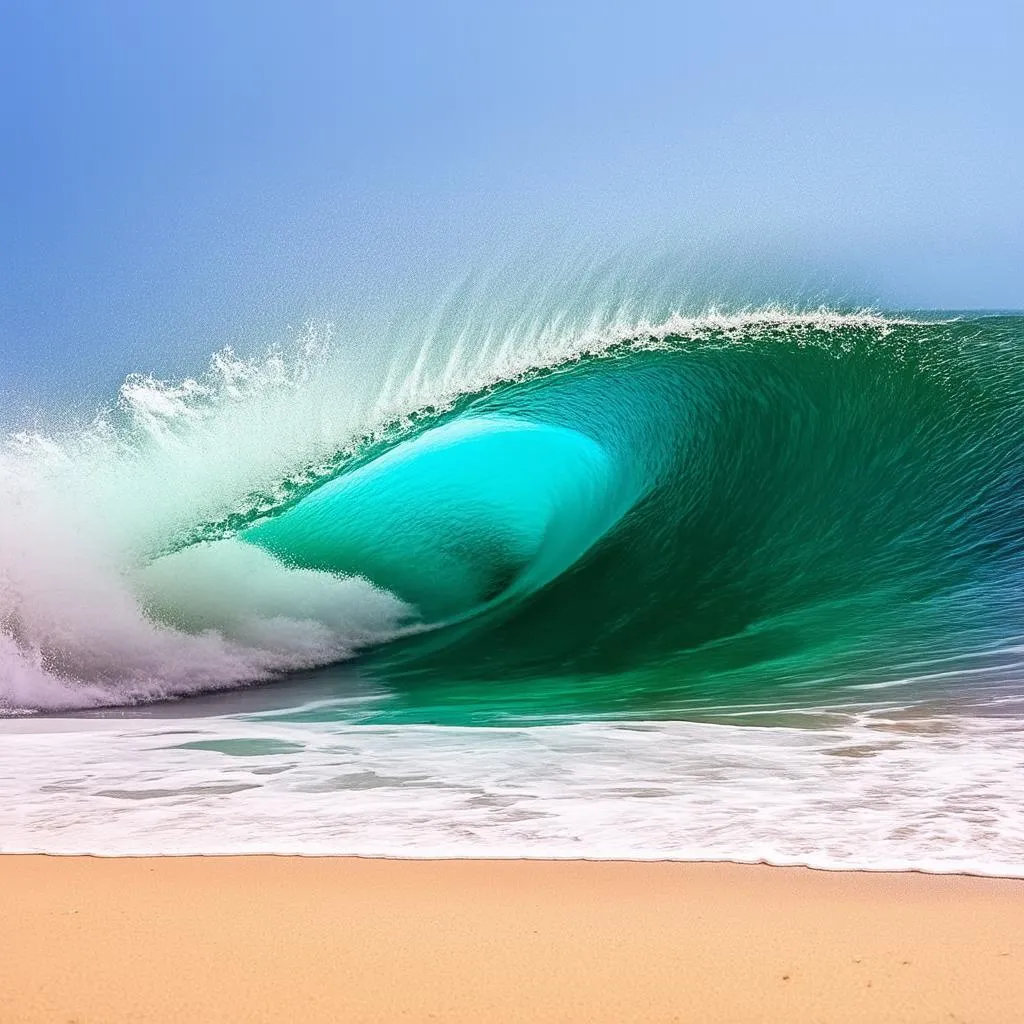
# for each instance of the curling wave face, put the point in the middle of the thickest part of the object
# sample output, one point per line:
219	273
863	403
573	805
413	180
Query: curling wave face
464	515
629	521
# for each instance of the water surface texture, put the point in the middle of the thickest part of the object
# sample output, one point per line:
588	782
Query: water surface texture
741	586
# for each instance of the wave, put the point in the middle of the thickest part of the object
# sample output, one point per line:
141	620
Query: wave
609	515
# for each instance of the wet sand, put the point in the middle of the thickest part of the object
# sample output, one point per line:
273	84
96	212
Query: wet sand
245	939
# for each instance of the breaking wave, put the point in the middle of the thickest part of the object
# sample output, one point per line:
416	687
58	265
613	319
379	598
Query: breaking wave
620	515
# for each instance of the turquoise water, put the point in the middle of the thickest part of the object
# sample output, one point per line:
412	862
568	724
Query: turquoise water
764	509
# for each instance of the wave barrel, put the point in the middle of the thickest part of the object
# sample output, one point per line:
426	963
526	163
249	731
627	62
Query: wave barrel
458	517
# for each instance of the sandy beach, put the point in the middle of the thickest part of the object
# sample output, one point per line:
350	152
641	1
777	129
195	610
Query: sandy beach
281	939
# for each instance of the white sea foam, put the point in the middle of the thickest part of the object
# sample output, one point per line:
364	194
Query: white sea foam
939	795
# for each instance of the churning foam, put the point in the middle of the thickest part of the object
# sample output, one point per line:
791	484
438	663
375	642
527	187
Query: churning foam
861	793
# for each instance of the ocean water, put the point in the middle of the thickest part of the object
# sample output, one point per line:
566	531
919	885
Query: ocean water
738	586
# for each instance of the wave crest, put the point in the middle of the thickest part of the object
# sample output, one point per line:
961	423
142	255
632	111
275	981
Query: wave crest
103	599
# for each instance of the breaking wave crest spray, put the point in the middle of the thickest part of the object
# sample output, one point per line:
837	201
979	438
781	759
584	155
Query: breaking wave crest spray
599	514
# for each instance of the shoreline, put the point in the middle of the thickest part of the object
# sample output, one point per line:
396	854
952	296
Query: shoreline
1010	875
279	937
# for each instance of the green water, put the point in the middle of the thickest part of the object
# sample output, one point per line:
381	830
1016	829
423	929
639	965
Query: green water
767	516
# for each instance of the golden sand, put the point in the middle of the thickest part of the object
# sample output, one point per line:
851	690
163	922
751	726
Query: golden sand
282	939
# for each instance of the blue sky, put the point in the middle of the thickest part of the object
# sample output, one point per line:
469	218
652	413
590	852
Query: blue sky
178	176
